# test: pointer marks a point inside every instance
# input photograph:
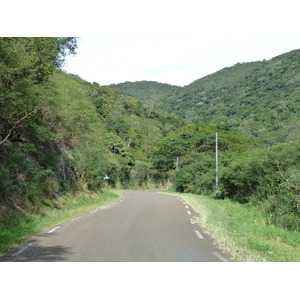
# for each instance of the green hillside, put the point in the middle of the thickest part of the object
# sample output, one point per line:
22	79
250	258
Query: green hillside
153	94
59	133
260	99
144	90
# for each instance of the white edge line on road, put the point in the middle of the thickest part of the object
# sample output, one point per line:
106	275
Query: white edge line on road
75	219
192	221
199	235
220	256
183	202
91	212
186	206
22	250
188	212
53	229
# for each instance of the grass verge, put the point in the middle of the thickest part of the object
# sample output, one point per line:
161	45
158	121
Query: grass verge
16	229
241	230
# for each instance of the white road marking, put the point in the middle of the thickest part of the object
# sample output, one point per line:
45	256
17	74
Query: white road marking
22	250
220	256
188	212
183	202
53	229
186	206
75	219
192	221
91	212
199	235
105	207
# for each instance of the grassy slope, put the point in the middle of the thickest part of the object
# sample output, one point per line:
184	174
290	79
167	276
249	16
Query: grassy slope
242	231
259	99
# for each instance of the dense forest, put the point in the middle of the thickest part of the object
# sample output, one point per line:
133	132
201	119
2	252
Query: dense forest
60	134
258	99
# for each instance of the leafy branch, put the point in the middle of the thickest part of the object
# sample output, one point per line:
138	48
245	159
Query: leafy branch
17	124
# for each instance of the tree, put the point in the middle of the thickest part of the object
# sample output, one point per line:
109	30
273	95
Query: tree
25	66
154	101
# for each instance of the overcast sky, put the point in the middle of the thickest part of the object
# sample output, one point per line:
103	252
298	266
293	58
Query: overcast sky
169	41
178	42
177	61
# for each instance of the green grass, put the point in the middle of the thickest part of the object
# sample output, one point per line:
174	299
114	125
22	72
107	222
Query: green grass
16	229
242	231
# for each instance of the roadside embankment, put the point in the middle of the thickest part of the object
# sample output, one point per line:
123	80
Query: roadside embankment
242	231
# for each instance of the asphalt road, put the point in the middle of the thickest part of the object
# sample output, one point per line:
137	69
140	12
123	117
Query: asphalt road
141	227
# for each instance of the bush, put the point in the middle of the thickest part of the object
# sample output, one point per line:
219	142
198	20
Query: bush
269	178
196	174
283	212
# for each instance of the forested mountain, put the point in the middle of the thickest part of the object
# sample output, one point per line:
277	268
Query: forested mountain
259	99
145	90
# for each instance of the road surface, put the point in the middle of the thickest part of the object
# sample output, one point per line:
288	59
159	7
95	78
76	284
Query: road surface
141	227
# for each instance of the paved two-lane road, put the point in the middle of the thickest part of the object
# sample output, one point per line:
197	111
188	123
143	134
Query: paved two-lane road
141	227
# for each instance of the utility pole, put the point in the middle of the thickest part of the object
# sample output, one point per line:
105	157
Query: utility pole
217	168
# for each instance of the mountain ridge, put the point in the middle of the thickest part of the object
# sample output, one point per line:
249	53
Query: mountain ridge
260	98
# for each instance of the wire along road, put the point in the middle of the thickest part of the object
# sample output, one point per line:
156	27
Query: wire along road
141	227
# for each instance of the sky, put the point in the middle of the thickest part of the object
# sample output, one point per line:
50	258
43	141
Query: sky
176	61
169	41
178	42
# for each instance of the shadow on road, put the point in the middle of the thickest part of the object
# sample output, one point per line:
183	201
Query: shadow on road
35	253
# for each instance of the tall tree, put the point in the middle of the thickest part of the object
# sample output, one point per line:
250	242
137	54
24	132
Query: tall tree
26	64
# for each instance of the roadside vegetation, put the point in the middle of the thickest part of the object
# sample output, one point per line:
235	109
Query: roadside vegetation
242	231
60	134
